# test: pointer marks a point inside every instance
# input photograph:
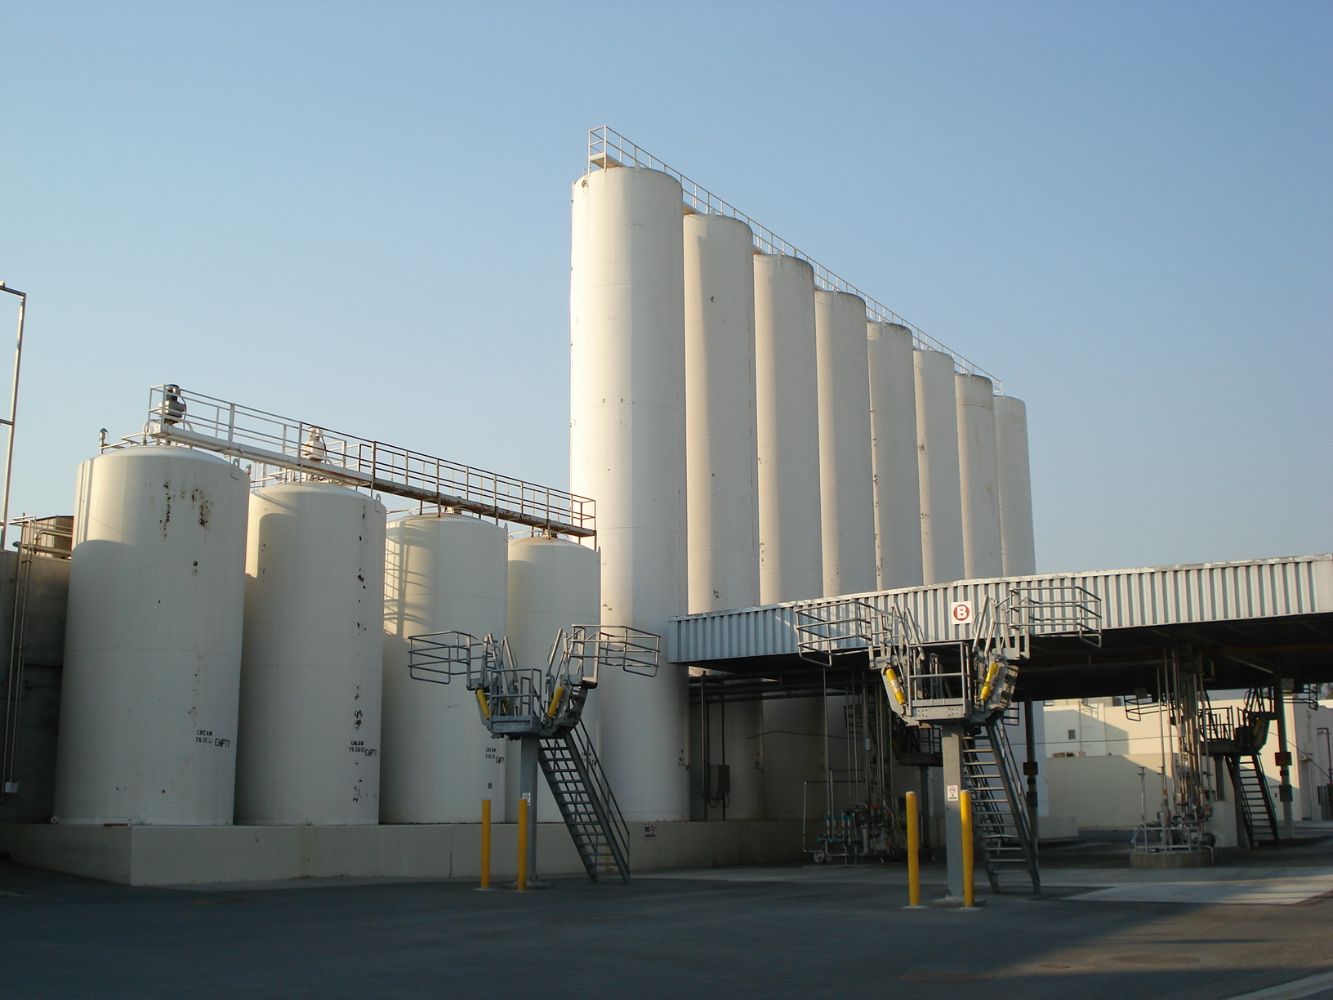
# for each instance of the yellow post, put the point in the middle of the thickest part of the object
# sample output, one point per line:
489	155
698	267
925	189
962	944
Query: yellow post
485	843
965	815
913	852
522	844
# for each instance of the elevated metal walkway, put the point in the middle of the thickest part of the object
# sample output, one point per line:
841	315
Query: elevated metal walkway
285	448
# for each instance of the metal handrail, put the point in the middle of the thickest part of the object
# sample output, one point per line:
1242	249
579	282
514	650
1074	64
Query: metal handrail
290	449
607	148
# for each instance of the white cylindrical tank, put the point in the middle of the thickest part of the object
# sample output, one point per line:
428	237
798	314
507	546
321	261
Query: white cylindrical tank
937	466
553	584
627	452
1015	477
847	498
720	450
311	663
787	421
978	482
790	533
722	508
893	439
440	573
153	640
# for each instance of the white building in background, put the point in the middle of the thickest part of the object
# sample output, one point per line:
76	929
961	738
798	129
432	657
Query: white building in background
1104	761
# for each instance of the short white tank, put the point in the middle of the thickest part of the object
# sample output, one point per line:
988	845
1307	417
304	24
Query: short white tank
441	573
847	497
937	465
893	438
978	484
311	666
553	584
153	640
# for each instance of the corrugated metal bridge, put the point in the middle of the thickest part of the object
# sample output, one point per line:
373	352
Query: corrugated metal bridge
1251	623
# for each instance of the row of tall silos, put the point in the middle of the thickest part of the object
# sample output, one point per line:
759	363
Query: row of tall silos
753	438
243	656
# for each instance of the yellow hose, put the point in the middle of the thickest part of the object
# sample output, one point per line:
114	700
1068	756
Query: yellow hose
483	704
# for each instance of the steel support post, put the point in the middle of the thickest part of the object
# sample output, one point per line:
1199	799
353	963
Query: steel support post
951	740
528	776
1284	755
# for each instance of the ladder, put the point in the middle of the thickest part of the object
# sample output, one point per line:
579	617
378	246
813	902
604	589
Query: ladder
1002	826
586	802
1256	802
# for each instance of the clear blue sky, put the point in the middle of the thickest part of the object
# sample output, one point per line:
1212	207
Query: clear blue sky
358	214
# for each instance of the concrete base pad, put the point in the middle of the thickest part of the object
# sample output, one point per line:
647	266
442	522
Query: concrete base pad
181	855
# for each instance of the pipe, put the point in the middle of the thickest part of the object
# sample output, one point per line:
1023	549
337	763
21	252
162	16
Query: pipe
913	852
485	843
522	880
13	413
965	817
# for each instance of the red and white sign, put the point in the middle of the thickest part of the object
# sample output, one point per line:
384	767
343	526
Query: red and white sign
960	612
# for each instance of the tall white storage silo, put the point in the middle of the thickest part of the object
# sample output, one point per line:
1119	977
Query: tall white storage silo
439	762
937	465
787	420
1015	478
978	479
153	640
722	509
553	585
311	663
627	452
790	532
847	499
720	449
893	440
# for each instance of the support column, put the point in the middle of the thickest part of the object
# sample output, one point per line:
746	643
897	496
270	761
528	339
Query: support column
951	740
529	750
1284	760
1030	767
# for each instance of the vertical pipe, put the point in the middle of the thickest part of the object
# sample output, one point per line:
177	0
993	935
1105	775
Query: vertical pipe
13	414
965	816
485	843
522	881
913	852
1284	758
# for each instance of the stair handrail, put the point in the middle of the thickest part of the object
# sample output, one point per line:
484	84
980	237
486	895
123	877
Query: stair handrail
1017	802
603	797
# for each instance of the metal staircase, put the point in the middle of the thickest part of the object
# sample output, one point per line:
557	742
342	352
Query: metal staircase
586	802
1002	825
1236	737
1256	802
542	710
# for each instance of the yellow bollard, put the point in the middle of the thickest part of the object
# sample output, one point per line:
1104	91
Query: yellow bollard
522	845
965	815
913	852
485	843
